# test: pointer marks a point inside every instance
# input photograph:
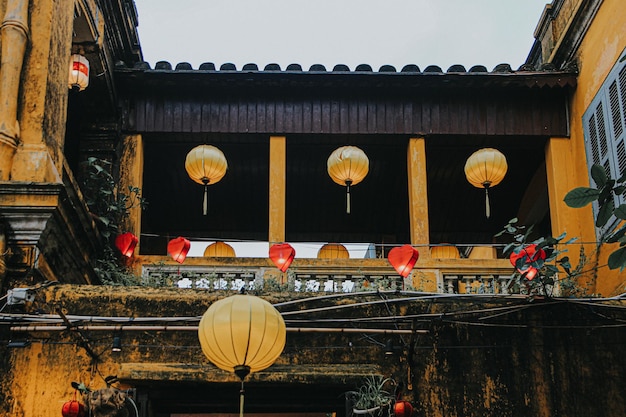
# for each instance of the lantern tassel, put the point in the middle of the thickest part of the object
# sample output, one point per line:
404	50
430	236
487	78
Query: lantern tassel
205	202
348	182
487	209
241	396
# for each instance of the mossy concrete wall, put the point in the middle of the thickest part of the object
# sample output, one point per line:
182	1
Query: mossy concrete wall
479	358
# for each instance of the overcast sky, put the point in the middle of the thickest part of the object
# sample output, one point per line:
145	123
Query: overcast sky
330	32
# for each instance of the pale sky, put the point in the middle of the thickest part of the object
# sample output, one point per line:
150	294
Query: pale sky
330	32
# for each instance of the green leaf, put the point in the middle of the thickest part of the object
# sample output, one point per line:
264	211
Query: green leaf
598	173
581	196
605	213
617	235
620	212
617	259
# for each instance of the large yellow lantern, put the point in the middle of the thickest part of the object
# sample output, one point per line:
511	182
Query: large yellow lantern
206	165
242	334
486	168
348	165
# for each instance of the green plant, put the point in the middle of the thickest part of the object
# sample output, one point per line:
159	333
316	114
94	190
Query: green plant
372	395
605	193
108	206
539	271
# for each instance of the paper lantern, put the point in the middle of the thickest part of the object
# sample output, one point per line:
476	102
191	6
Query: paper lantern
178	249
445	252
242	334
403	259
333	251
206	165
73	408
219	249
402	409
282	255
486	168
126	243
79	73
522	260
347	165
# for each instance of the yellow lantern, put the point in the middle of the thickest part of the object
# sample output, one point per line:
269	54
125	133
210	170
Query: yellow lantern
219	249
333	251
348	165
445	252
206	165
242	334
486	168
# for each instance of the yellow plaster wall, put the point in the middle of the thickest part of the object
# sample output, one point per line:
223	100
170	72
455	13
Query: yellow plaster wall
600	50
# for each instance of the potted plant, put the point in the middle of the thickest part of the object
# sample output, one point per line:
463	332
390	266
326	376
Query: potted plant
373	397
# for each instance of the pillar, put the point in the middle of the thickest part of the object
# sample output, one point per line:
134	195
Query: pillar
418	195
14	33
277	188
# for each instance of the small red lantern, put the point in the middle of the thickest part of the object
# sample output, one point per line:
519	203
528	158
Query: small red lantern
126	243
178	249
282	255
403	259
527	255
402	409
73	408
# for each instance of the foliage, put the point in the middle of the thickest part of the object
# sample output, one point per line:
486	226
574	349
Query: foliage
107	205
372	393
605	192
109	208
547	267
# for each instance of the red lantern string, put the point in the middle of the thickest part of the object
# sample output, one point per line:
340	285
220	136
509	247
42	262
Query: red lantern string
126	243
282	255
523	259
178	249
403	259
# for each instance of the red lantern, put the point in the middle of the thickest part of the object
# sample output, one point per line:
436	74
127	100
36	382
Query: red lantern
402	409
178	249
527	255
403	259
126	243
282	255
73	408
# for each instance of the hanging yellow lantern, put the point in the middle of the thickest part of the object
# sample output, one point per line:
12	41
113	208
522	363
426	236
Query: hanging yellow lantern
333	251
206	165
219	249
242	334
348	165
445	252
486	168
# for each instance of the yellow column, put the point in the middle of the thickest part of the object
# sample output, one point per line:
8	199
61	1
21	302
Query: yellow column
418	195
564	173
14	36
277	191
131	175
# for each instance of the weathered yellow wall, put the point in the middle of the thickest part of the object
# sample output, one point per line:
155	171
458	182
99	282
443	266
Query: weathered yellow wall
600	50
457	370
